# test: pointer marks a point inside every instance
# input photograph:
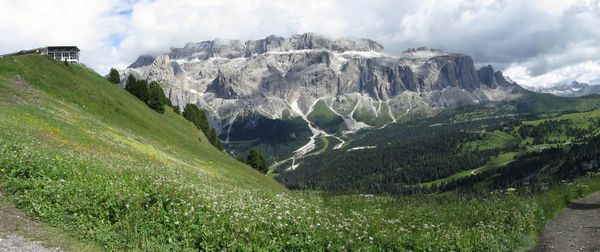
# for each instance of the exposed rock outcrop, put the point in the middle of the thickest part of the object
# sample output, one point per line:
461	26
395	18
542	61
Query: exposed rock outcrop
228	78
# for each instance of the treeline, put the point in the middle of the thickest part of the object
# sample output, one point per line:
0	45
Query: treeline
544	128
198	117
536	170
153	95
424	149
419	151
407	154
540	132
531	169
425	127
388	168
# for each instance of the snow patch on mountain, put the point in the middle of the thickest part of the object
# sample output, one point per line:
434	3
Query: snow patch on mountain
567	90
229	78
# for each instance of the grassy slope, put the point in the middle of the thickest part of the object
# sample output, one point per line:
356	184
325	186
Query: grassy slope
495	162
581	119
548	103
107	106
326	119
15	221
121	176
369	117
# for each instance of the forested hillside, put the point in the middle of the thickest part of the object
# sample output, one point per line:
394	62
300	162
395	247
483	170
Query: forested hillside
442	152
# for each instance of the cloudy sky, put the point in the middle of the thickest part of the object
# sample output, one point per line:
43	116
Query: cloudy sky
536	42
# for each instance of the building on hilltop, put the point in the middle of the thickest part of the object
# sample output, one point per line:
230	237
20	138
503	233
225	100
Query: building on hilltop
62	53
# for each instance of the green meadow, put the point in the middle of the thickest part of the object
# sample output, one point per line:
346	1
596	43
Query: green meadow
84	156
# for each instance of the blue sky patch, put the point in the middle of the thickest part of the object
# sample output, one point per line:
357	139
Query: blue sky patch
115	39
126	12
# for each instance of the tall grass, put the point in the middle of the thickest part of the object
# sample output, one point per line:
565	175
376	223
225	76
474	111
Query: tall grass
128	185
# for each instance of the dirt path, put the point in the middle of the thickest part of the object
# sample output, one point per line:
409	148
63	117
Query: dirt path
576	228
16	243
13	222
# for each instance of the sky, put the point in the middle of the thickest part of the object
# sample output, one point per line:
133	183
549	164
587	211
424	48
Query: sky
535	43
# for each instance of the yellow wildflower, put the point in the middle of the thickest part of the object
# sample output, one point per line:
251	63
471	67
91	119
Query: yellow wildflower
1	170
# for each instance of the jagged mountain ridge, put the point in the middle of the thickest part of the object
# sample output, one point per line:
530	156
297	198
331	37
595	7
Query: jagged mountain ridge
354	77
568	90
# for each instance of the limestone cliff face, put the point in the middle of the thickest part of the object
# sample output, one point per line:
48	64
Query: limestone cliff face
268	76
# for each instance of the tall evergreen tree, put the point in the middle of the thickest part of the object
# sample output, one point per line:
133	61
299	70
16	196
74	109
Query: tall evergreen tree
213	138
198	117
139	89
130	84
113	76
257	161
203	122
190	114
156	97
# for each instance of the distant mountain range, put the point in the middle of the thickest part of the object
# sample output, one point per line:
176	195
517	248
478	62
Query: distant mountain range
351	80
568	90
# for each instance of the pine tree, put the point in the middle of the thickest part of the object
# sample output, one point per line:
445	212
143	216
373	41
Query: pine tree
156	97
213	138
203	122
189	113
257	161
140	89
198	117
130	84
176	110
113	76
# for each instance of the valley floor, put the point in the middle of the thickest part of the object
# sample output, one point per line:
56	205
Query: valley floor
576	228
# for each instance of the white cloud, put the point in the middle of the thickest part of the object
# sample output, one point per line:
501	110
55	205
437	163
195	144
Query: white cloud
538	37
586	72
87	24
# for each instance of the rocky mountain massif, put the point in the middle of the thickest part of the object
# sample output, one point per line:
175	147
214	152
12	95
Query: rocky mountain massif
568	90
348	83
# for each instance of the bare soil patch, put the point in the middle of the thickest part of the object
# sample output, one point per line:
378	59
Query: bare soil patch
576	228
